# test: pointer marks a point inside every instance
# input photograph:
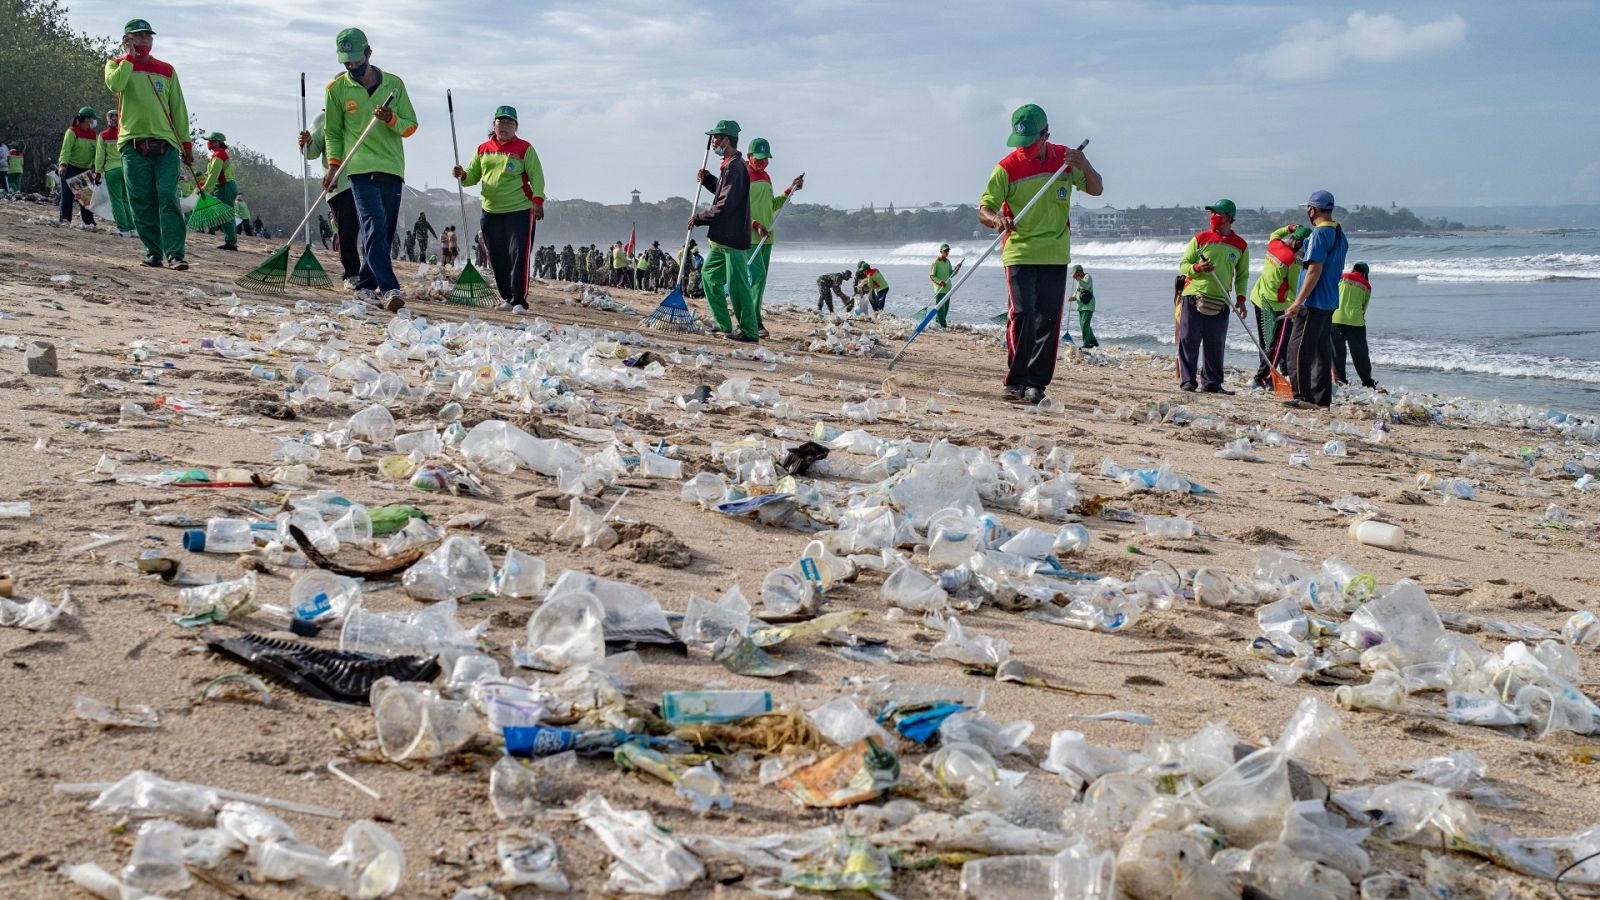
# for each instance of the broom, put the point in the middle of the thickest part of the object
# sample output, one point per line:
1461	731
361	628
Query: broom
470	286
271	276
674	314
307	271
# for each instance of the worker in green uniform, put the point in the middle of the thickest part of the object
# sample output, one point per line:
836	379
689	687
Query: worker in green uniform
151	142
242	210
726	273
513	202
940	274
1083	295
1272	294
1216	263
763	210
220	182
77	157
108	162
877	286
14	170
1350	325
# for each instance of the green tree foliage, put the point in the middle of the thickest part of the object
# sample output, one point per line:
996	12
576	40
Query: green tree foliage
46	73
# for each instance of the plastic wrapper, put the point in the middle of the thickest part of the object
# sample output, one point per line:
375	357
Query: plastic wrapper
844	722
456	568
973	649
844	863
647	860
856	774
217	602
36	615
739	654
567	630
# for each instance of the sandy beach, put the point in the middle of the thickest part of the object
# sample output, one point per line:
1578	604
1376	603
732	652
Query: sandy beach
114	326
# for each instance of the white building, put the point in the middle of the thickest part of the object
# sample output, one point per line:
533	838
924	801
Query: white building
1106	218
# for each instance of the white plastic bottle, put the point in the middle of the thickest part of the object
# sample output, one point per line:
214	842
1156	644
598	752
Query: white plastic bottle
221	536
1378	534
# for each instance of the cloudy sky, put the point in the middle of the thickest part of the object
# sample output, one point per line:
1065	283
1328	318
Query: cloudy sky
1421	103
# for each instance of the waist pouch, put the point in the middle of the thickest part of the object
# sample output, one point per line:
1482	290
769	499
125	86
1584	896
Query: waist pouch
1208	306
150	146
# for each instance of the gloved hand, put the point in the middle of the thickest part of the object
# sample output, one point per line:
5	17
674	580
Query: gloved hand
1204	265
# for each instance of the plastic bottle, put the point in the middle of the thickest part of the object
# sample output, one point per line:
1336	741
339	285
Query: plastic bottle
1378	534
695	707
1169	527
220	536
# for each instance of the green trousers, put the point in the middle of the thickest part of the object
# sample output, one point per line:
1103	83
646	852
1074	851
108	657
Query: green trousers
1085	316
726	278
759	264
152	183
117	186
230	229
944	311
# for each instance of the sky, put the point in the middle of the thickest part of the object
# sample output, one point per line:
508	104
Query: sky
1415	103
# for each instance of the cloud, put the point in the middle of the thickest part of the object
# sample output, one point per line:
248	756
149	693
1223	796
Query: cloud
1316	49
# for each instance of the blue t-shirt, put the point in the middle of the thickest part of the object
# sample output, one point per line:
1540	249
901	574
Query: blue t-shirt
1327	246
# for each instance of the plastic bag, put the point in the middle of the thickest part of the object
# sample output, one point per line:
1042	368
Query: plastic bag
1247	802
648	861
1316	834
456	568
976	649
974	727
844	722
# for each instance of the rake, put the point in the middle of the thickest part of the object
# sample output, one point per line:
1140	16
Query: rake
271	276
307	270
470	286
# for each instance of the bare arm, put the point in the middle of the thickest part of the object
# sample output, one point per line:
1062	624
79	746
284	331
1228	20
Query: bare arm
1308	283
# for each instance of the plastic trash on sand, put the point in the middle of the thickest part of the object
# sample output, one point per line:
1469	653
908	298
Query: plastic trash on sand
1166	853
1073	872
703	788
1081	763
1386	690
1402	617
500	447
414	722
374	425
1313	833
844	863
456	568
909	588
567	630
531	859
217	602
521	575
648	861
844	722
973	650
156	864
974	727
519	789
585	528
856	774
705	622
116	714
1247	802
1314	738
36	615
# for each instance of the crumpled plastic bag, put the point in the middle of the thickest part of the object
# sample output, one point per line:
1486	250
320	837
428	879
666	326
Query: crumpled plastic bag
974	727
648	861
979	832
973	650
35	615
1316	834
456	568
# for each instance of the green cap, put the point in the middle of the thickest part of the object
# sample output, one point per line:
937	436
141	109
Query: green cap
1077	269
1300	233
724	127
943	247
1361	267
1225	207
1027	123
861	265
760	149
351	45
217	136
86	112
135	26
506	112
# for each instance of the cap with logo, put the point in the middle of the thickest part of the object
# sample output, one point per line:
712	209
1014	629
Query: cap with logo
506	112
351	45
1320	200
1224	207
86	112
943	247
137	26
724	128
1027	123
760	149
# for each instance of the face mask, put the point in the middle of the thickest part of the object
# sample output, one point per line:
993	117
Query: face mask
1217	221
359	72
760	165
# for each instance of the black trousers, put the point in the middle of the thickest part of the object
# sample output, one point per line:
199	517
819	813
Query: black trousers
1201	342
343	205
510	239
1353	337
1311	356
1036	296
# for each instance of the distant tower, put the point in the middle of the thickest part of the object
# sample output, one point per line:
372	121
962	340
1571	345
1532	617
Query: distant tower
635	196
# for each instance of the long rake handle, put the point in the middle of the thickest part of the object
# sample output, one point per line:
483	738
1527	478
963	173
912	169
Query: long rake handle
775	217
305	166
683	255
455	149
1242	320
326	192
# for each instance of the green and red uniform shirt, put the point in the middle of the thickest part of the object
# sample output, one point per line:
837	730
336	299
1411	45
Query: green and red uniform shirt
1355	292
875	280
77	147
219	173
764	205
149	101
106	157
347	107
1280	272
1044	236
1231	257
939	273
510	173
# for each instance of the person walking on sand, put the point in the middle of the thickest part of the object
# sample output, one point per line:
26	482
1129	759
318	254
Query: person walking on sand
1280	272
108	163
346	227
243	210
77	157
1311	314
1350	326
1215	259
378	172
940	274
513	203
1083	295
763	209
422	228
619	266
726	273
1037	249
447	245
220	182
150	99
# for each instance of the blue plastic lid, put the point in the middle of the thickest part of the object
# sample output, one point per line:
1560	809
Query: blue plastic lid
194	541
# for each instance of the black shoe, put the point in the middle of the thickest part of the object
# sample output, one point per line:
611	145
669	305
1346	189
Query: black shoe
152	261
738	338
228	247
179	263
1013	394
1297	403
1188	387
1219	389
1032	395
762	331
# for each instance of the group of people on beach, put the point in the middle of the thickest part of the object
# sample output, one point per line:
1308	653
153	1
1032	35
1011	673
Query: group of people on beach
1305	304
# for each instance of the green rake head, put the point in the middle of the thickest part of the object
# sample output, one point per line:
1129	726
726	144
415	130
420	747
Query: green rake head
309	272
472	289
209	213
269	277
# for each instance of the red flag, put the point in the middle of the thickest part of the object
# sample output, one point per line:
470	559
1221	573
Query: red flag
628	249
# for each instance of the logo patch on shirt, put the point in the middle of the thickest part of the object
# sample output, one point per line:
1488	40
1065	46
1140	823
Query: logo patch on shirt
1061	192
349	106
511	165
158	85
